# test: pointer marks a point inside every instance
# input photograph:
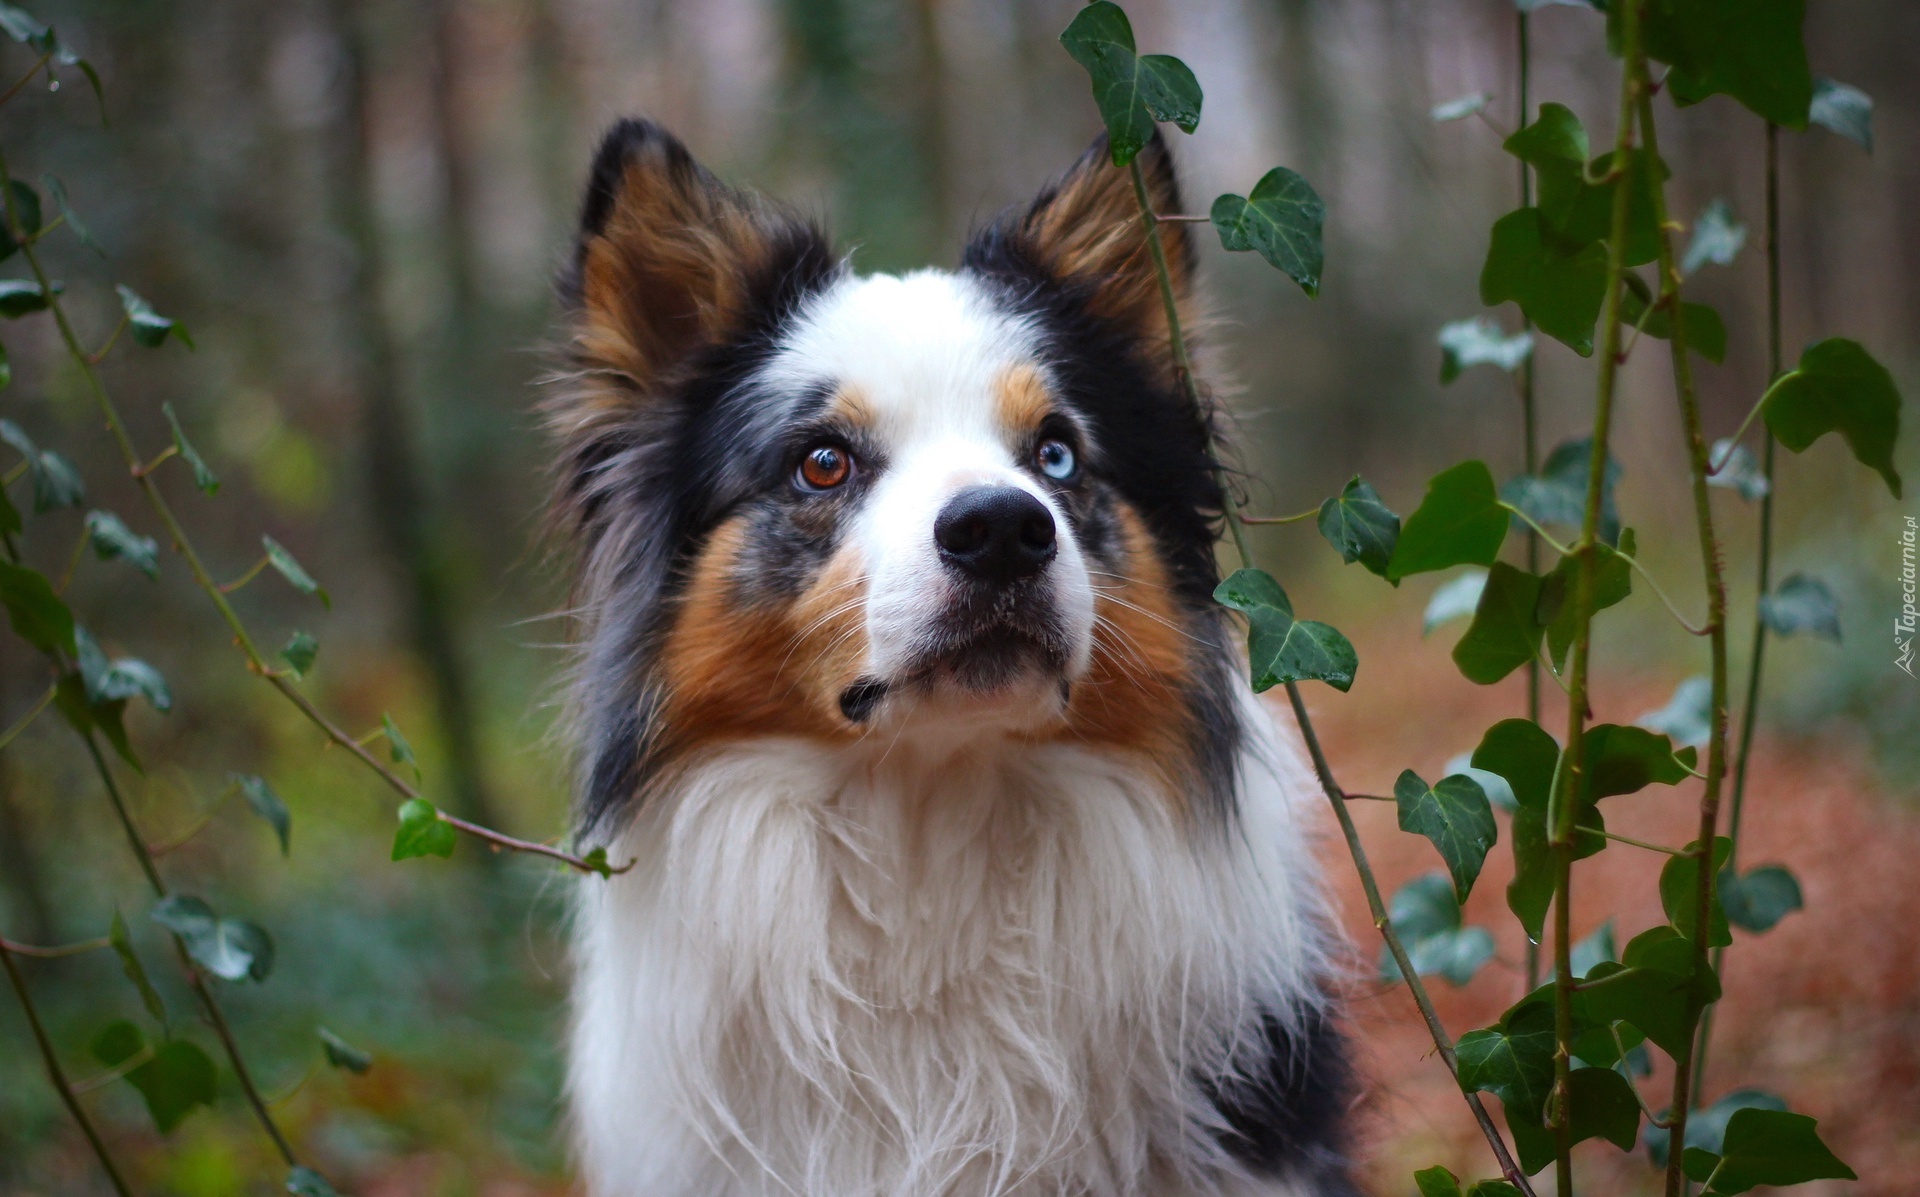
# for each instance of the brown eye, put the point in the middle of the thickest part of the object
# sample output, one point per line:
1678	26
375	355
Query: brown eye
824	467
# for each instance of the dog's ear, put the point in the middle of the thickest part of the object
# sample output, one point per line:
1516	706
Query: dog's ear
671	261
1084	230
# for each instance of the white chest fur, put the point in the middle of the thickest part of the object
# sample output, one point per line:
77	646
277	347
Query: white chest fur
850	973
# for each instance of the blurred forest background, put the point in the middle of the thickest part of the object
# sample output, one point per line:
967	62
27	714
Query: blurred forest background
357	206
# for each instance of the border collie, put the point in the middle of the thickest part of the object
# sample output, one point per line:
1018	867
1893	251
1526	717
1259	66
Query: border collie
964	862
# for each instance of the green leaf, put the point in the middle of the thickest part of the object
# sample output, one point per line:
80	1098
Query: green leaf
149	327
6	380
1734	467
1360	527
1758	900
342	1054
56	483
1132	91
202	476
1748	49
1560	294
300	652
1574	212
1513	1059
268	806
422	831
1281	648
1706	332
1838	387
303	1181
1707	1128
1477	342
1597	948
1558	493
23	297
1801	604
1679	896
1651	991
119	679
1453	599
1688	716
1602	1105
1427	919
1437	1182
1843	109
174	1082
1281	218
1455	815
1460	108
112	540
136	974
1520	751
398	749
26	206
1765	1147
1717	238
1505	634
1459	522
228	948
37	614
1612	583
71	700
58	191
288	568
596	862
1622	759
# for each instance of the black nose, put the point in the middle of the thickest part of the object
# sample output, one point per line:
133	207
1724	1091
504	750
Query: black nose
998	534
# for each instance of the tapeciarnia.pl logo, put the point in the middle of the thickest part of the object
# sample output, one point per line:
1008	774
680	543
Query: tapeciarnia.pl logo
1904	623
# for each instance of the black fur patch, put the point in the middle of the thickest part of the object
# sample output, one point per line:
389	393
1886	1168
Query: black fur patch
1285	1108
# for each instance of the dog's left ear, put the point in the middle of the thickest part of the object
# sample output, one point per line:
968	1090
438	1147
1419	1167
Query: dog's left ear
1084	231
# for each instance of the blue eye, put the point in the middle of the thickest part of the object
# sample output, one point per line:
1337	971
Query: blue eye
1055	459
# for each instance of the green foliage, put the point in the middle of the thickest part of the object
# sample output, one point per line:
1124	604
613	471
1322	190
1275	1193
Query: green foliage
113	540
1521	751
35	612
1281	648
1281	219
300	652
1650	988
1620	759
398	749
1479	341
1513	1060
1688	716
268	805
1459	522
1360	527
175	1079
284	564
1756	901
1439	1182
1706	332
22	297
136	974
1838	387
58	191
1427	918
1733	466
344	1055
303	1181
1801	604
202	476
1558	493
228	948
1748	49
1679	880
56	483
1506	629
1455	815
422	831
1707	1128
1133	91
149	327
1453	599
1845	110
1560	293
116	680
1764	1147
1612	583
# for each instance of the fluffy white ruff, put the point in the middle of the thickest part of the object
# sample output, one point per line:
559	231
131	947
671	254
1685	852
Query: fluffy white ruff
920	972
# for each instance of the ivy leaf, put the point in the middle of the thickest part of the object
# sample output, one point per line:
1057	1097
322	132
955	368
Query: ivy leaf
1454	813
1603	1106
300	652
1621	759
1717	238
1765	1147
36	613
1427	919
1838	387
1461	107
269	806
398	749
1478	342
1558	493
1651	990
1707	1128
1499	793
1801	604
149	327
342	1054
1612	583
86	716
1561	294
1132	91
119	679
1513	1059
228	948
58	191
23	297
1439	1182
1505	633
1733	467
1843	109
1706	332
1688	716
112	540
176	1080
303	1181
130	965
290	569
1281	218
1679	897
1757	900
1360	527
422	831
202	476
1522	752
1453	599
1459	522
27	210
1748	49
1281	648
56	483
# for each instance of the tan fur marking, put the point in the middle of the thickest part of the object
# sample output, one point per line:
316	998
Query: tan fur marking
1021	400
734	672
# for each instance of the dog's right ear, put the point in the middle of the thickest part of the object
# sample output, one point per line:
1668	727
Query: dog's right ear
671	261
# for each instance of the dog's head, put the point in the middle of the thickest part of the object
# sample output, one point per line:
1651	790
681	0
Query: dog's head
941	505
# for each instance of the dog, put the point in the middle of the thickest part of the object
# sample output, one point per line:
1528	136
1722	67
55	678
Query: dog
963	861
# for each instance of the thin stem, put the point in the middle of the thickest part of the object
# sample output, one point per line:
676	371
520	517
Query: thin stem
57	1076
1627	839
1717	626
1169	218
1692	629
99	355
73	560
25	721
54	953
1620	1048
1176	340
1714	467
1280	519
26	78
253	571
103	1079
177	534
1531	446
